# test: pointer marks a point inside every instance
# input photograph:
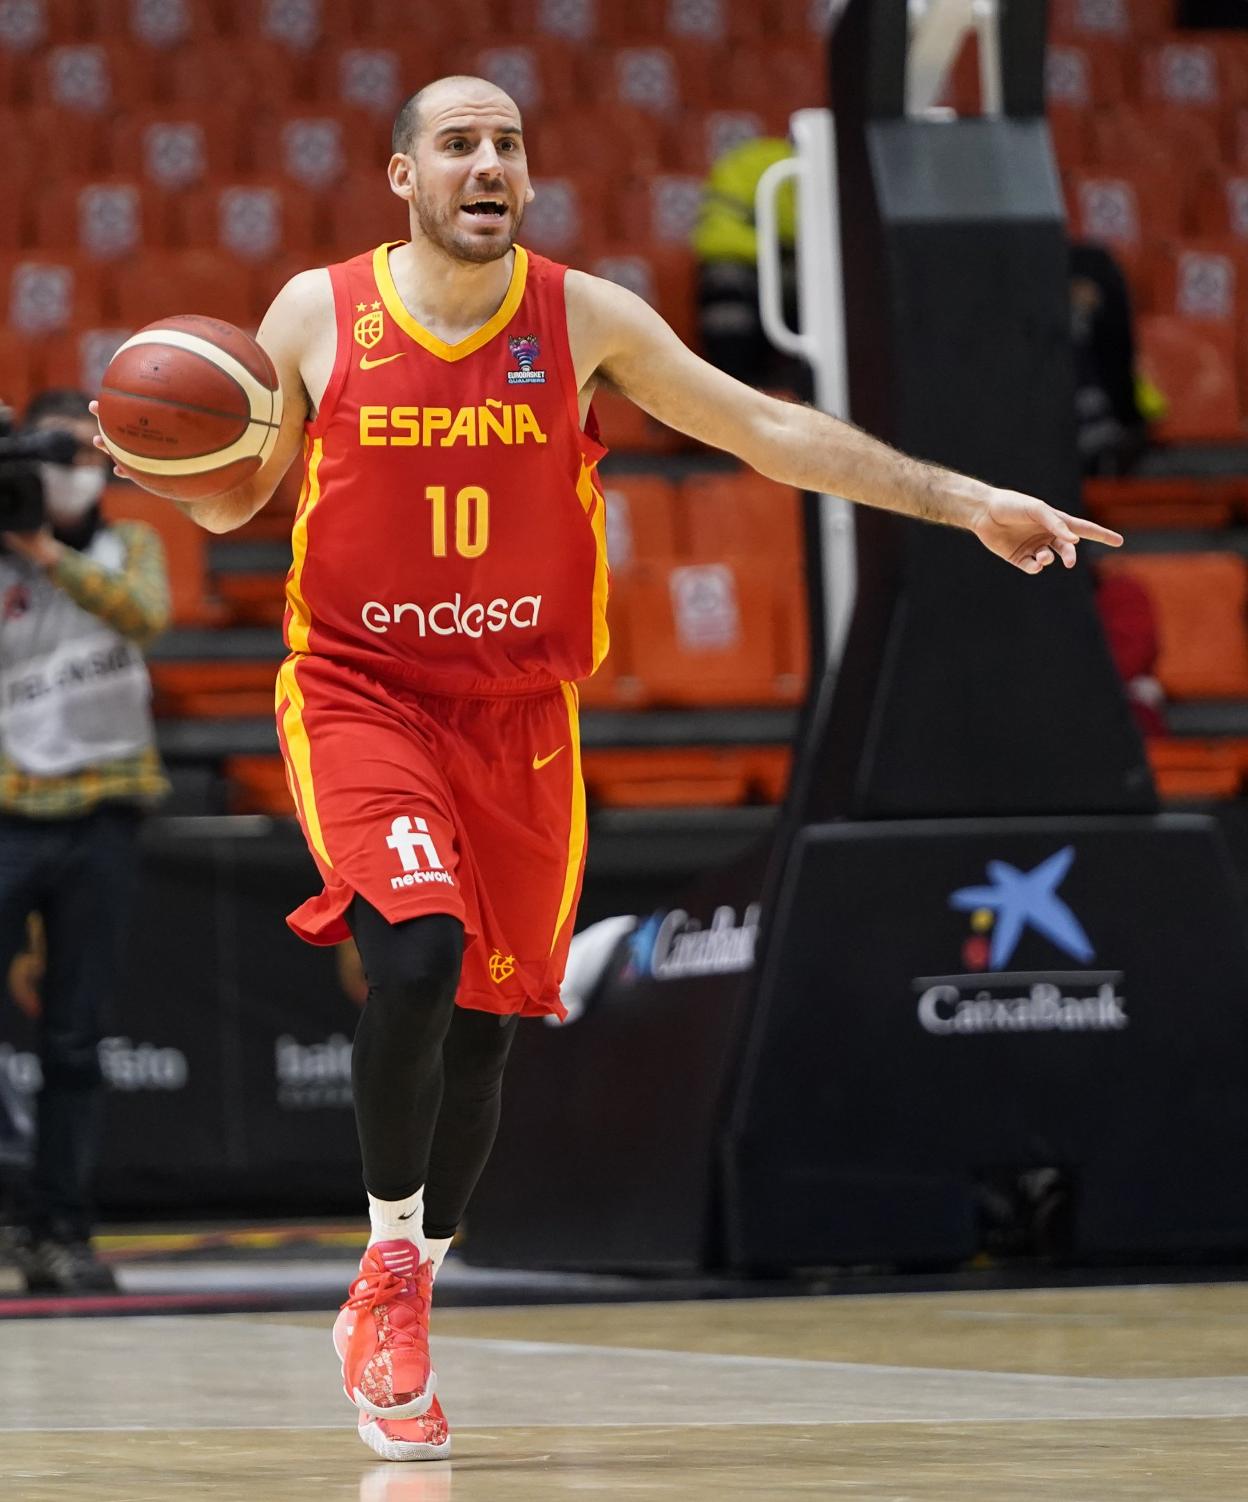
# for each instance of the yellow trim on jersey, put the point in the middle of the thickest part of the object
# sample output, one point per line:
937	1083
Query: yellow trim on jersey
576	828
398	311
588	493
300	616
299	748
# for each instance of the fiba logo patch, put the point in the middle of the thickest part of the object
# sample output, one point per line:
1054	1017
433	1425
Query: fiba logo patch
502	967
525	351
413	844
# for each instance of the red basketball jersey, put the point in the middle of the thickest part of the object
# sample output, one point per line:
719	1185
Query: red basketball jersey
451	528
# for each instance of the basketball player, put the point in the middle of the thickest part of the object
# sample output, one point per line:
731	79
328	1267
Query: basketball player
448	589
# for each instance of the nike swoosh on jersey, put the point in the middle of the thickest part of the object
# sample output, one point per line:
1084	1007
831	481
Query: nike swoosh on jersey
540	761
367	364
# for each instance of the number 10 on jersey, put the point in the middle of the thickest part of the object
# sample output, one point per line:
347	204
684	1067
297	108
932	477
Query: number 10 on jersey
471	508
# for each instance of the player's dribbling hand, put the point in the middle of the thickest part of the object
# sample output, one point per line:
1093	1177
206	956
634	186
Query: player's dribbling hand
1030	534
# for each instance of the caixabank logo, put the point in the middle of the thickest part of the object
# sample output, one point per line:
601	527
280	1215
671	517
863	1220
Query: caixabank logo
990	997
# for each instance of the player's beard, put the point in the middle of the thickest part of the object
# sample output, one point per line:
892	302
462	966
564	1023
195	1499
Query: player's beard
437	224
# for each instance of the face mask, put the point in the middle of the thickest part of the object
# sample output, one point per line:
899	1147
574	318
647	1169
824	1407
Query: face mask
70	491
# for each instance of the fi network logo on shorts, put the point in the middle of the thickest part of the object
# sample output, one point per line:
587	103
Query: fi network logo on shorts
413	844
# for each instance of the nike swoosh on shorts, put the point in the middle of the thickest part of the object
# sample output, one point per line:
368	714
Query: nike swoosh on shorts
540	761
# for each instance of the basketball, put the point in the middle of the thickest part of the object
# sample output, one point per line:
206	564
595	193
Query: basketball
190	406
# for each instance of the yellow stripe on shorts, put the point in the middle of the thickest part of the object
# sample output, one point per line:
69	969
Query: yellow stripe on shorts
576	827
299	752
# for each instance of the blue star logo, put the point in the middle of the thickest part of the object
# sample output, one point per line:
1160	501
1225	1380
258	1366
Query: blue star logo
1023	899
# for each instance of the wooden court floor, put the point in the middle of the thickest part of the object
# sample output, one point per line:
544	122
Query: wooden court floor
1085	1395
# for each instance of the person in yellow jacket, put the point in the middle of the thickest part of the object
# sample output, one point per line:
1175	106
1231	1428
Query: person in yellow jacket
725	241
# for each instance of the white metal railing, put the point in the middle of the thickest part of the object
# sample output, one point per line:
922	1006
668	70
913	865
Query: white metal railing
937	31
820	340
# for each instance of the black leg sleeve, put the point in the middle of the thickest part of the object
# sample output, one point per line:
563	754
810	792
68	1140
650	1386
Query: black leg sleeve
396	1063
474	1054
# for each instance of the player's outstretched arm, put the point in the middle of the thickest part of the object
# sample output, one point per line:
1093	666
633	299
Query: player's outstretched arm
621	337
283	333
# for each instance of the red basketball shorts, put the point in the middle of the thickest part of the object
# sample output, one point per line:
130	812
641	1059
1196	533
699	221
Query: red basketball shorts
429	804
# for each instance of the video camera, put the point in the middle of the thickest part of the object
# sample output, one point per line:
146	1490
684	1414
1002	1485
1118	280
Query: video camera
21	489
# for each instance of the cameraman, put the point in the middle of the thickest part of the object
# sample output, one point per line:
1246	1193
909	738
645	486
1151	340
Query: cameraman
78	764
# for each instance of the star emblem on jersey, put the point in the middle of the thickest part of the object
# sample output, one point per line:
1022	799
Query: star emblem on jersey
502	967
369	328
525	351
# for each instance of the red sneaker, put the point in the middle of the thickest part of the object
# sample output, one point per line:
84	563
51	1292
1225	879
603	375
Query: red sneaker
382	1334
425	1438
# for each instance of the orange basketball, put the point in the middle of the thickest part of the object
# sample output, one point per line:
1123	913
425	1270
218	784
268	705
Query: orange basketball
190	407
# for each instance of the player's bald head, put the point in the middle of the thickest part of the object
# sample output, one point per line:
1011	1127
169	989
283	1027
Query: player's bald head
440	100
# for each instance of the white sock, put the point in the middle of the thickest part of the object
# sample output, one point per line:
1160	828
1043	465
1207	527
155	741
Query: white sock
399	1220
438	1248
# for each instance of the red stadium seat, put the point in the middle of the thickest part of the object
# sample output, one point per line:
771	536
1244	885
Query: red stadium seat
42	295
21	372
1193	365
1200	279
24	28
92	79
1086	75
363	212
1116	209
157	284
230	78
710	633
667	777
258	785
772	82
1192	74
659	212
253	220
666	276
742	513
51	149
1220	205
105	221
620	142
642	521
1069	130
1185	769
627	25
567	214
1126	20
175	148
1201	600
79	359
643	78
627	429
542	74
1129	503
438	24
1167	141
160	27
371	75
321	149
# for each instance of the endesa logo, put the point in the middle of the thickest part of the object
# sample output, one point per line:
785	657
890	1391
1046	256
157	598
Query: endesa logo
453	617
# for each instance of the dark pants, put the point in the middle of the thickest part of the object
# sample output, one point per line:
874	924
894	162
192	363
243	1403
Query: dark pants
79	874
